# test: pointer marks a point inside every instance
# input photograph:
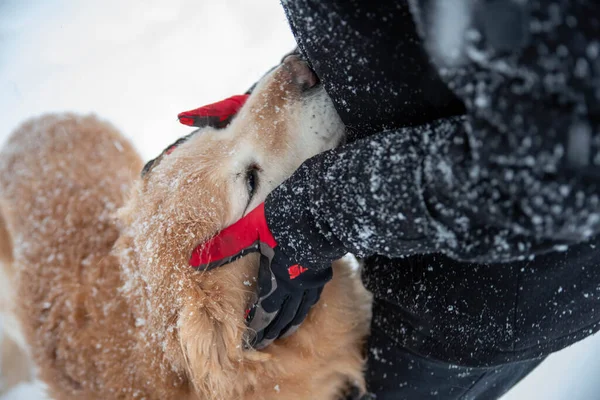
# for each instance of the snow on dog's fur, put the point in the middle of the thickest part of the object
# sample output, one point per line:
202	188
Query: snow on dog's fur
109	308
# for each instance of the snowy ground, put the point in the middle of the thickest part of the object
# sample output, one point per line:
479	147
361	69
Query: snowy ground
138	63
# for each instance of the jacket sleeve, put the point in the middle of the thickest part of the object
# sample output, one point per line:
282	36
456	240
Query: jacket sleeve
517	176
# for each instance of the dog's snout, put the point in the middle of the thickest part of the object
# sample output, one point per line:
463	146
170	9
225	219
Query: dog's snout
300	72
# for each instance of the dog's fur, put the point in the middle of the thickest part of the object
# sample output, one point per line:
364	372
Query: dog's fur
109	308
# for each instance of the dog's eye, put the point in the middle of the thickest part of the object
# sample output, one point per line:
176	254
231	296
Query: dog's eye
252	181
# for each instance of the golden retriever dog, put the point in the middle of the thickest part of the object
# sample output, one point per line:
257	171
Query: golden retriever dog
94	263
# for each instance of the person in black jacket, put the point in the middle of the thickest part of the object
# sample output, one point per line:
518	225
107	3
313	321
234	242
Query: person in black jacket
469	183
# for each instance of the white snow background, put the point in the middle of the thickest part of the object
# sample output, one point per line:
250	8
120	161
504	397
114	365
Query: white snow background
139	63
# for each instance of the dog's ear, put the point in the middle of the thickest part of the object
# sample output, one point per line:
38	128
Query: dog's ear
208	340
211	328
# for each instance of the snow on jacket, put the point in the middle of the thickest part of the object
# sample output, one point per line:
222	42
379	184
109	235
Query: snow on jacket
496	182
517	175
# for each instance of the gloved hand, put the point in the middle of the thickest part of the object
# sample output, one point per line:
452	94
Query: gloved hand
286	290
218	115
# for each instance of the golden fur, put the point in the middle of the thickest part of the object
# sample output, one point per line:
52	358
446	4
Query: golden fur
109	308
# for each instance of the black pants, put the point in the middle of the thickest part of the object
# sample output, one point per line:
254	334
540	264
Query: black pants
394	373
448	330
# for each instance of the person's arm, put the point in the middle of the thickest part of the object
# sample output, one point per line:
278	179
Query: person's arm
519	175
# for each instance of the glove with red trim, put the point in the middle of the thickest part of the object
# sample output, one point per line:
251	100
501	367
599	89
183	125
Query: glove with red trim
218	115
286	290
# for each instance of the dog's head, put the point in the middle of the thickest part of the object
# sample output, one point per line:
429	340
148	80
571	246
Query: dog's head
208	181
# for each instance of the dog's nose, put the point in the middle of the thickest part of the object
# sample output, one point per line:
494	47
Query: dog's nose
301	73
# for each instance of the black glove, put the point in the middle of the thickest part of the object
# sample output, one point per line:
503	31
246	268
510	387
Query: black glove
286	292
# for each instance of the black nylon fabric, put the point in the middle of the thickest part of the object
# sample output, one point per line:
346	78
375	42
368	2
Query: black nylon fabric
510	187
395	373
340	38
485	315
517	175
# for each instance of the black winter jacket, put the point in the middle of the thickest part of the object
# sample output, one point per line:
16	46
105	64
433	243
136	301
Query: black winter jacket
517	175
503	168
